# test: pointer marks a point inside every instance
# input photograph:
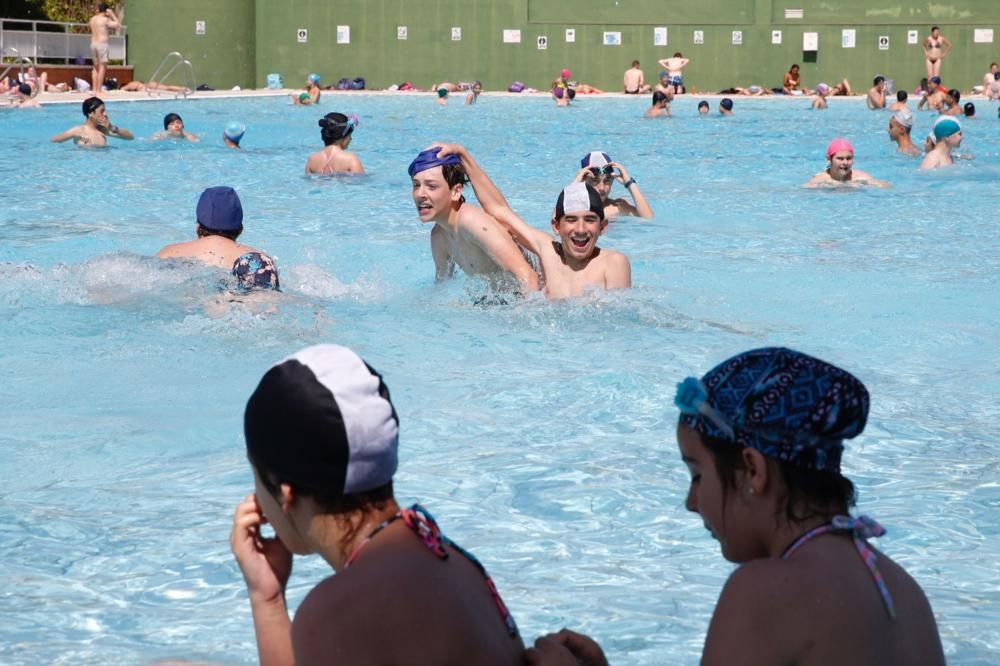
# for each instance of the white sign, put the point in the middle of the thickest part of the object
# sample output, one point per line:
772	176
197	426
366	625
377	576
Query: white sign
848	39
912	37
456	34
343	34
511	36
199	27
699	36
570	35
737	37
659	36
401	32
810	41
982	35
883	42
543	42
775	36
612	39
302	35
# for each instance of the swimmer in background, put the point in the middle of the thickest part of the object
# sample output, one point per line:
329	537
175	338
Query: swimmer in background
219	223
947	135
762	435
703	108
951	103
841	171
935	97
598	170
96	129
563	96
675	71
24	100
337	131
574	264
173	128
661	106
900	125
634	80
463	233
442	96
473	95
311	94
901	101
876	94
233	134
726	107
969	110
563	80
819	101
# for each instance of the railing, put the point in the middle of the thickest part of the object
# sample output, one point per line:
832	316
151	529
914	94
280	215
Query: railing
18	61
187	72
69	42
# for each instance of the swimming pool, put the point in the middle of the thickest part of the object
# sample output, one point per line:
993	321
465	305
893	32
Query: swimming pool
539	434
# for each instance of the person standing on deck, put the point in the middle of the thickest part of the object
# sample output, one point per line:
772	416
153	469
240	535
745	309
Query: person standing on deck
100	23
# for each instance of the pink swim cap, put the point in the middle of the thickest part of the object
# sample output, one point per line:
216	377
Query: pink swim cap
838	145
565	73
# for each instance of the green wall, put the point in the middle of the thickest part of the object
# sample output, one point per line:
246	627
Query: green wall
226	55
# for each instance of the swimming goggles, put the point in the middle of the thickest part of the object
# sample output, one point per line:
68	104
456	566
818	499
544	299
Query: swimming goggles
606	170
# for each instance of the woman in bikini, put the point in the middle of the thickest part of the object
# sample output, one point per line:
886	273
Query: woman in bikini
322	437
936	47
762	436
791	84
337	130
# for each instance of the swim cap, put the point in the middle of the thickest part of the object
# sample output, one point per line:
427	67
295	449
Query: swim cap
322	421
336	126
565	73
595	159
664	75
442	92
429	159
558	92
969	109
936	80
838	145
754	89
219	209
579	197
822	88
24	89
256	270
904	117
785	404
702	104
314	78
90	104
946	126
726	104
303	96
169	118
234	131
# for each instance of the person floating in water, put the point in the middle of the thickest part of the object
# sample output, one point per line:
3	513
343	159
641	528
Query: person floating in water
219	224
598	170
173	128
96	129
337	131
840	169
463	233
762	436
947	135
233	134
574	264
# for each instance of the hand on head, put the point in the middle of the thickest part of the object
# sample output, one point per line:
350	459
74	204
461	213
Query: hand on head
266	563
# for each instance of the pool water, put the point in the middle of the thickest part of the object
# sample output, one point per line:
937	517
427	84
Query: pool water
541	435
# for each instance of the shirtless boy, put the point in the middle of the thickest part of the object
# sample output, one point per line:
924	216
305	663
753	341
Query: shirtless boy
464	234
900	125
947	136
600	172
876	94
575	263
675	71
634	80
220	223
100	23
96	129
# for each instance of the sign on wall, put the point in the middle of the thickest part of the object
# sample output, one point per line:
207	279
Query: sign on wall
302	35
982	35
883	42
737	37
570	35
810	41
456	34
848	38
343	34
199	27
612	39
659	36
511	36
699	36
543	42
401	33
912	37
775	36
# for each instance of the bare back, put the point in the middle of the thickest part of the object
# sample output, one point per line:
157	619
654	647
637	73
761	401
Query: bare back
333	159
99	25
212	250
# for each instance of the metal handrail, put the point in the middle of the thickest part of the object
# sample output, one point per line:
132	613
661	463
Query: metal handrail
68	30
19	62
179	61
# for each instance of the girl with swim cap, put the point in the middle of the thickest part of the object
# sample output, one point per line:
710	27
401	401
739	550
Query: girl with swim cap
762	435
337	131
840	168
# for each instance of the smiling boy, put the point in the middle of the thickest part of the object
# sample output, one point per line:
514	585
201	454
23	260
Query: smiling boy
571	265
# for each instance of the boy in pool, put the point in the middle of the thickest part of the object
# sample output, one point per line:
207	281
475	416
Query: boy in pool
173	128
233	134
947	135
841	171
660	107
96	129
599	171
573	265
219	224
762	435
463	233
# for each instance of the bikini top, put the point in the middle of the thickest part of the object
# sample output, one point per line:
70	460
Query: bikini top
422	523
860	529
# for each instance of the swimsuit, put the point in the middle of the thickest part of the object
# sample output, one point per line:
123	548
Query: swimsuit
422	523
255	270
100	52
860	529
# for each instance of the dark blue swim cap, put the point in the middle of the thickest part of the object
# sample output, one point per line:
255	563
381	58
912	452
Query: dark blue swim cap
219	209
429	159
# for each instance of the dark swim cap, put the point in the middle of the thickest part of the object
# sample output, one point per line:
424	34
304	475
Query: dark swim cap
169	118
726	104
91	104
429	159
219	209
24	89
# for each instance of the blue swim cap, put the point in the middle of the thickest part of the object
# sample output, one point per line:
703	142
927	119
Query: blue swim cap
314	78
219	209
946	126
234	131
726	104
429	159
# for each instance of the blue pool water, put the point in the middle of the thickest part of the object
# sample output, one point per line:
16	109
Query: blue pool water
539	434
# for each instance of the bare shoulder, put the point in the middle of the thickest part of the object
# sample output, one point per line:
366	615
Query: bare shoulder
315	638
174	250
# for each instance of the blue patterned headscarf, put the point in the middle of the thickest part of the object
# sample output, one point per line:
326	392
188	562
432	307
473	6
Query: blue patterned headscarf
785	404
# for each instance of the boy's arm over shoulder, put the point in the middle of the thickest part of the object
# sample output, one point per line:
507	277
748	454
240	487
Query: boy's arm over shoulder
495	240
618	271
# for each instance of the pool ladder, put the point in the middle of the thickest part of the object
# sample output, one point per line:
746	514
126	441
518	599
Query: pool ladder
19	62
175	59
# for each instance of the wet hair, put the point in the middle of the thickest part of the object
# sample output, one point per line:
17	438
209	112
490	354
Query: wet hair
901	95
335	126
91	104
810	492
969	109
169	118
877	80
24	89
955	94
658	97
232	234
